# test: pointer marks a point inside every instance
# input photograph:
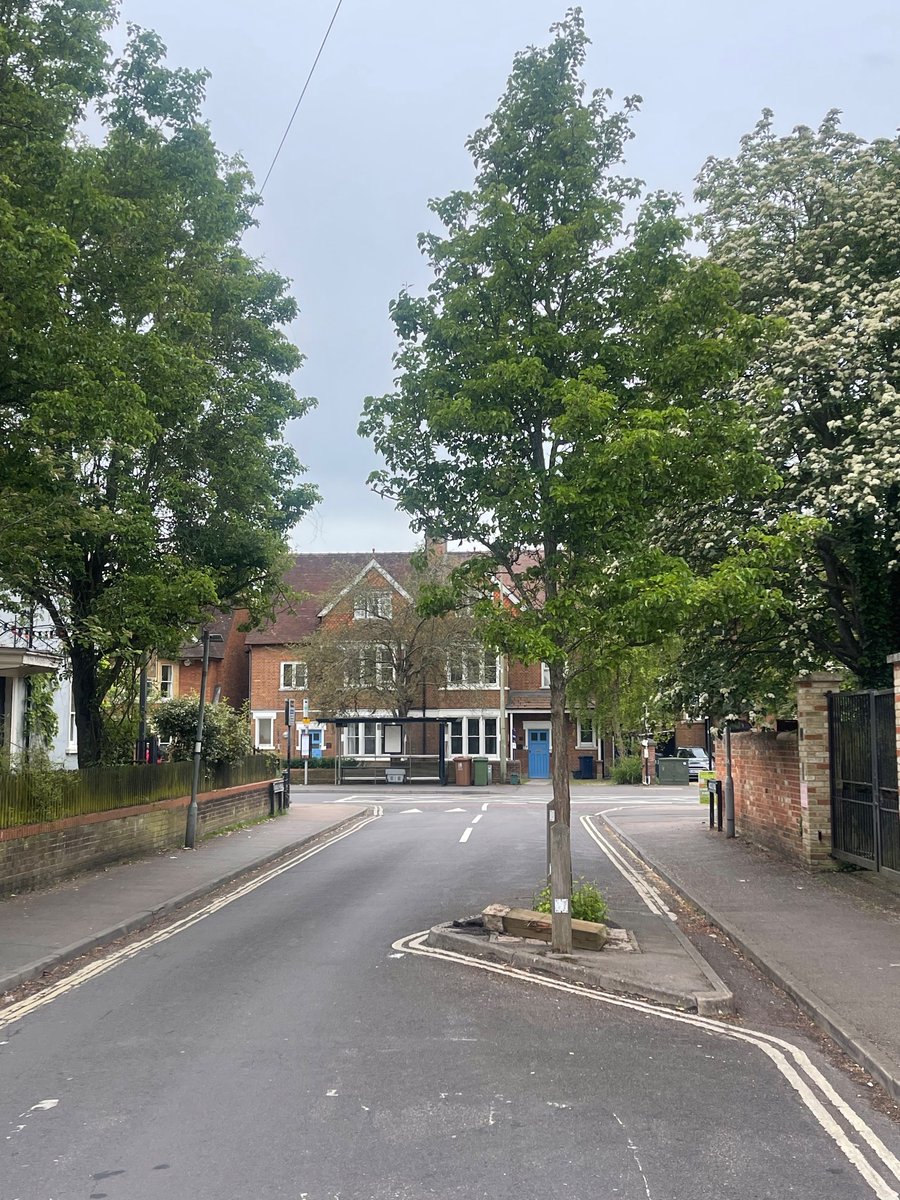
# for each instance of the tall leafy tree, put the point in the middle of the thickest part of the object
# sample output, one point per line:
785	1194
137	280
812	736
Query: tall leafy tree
811	223
554	387
144	371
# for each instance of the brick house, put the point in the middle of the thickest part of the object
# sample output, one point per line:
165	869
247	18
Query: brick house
473	694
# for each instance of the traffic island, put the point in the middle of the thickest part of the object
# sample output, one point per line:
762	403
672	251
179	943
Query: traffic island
660	965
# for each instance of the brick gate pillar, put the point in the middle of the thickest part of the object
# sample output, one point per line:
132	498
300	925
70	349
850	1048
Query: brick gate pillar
815	775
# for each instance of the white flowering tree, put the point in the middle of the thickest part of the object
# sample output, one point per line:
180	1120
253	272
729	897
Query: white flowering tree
811	223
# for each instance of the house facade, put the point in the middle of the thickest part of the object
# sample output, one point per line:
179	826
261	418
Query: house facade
476	702
27	650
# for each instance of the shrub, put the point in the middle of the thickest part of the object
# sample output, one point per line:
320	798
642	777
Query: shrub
32	785
627	770
326	760
587	902
226	733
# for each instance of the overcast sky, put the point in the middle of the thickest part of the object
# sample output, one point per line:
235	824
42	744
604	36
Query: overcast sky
400	86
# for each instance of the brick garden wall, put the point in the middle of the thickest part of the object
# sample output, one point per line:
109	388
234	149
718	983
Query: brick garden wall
766	773
39	856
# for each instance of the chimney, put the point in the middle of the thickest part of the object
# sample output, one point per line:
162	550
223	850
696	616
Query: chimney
435	547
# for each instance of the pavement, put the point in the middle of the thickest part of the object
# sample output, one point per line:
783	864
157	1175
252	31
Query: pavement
831	939
42	930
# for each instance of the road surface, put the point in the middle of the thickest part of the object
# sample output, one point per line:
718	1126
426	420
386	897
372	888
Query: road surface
282	1046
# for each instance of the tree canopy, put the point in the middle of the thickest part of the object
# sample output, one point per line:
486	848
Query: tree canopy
555	387
811	224
144	368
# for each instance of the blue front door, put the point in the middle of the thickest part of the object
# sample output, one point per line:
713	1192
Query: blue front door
315	743
538	753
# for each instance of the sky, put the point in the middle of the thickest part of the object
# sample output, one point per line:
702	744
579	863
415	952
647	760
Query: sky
400	86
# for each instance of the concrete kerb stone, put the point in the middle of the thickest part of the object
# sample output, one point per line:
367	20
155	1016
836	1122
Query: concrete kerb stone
58	958
859	1048
610	974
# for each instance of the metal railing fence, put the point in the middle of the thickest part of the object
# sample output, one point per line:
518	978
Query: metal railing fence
38	797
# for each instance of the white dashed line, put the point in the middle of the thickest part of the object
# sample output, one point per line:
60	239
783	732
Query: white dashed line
467	833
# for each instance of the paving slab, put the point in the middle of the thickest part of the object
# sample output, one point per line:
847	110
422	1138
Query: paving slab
40	930
831	940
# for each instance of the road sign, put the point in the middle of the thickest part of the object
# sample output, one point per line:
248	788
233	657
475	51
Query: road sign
290	712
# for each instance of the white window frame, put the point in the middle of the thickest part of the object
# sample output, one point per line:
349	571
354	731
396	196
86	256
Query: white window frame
494	737
373	604
459	664
467	737
72	741
581	740
545	675
257	718
362	739
285	675
384	670
166	686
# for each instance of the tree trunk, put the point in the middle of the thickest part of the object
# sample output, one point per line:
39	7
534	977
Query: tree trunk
561	837
86	701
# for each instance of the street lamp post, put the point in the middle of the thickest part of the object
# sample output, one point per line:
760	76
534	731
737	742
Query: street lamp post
190	836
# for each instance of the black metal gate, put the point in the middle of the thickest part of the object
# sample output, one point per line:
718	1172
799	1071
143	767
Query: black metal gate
865	823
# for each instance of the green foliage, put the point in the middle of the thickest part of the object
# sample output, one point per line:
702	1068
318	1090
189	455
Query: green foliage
144	475
326	760
226	733
811	223
587	902
564	384
627	770
33	777
41	719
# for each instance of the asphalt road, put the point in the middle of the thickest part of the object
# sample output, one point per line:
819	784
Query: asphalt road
281	1047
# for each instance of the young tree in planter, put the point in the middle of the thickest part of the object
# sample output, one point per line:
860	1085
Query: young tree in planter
144	373
554	388
811	222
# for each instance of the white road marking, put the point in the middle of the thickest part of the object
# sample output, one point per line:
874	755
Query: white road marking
467	833
410	810
43	1105
449	810
475	820
23	1008
647	892
484	808
634	1155
800	1072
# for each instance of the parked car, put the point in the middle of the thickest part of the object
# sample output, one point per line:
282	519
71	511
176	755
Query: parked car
698	759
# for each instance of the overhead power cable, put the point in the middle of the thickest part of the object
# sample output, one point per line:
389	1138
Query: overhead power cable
312	71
